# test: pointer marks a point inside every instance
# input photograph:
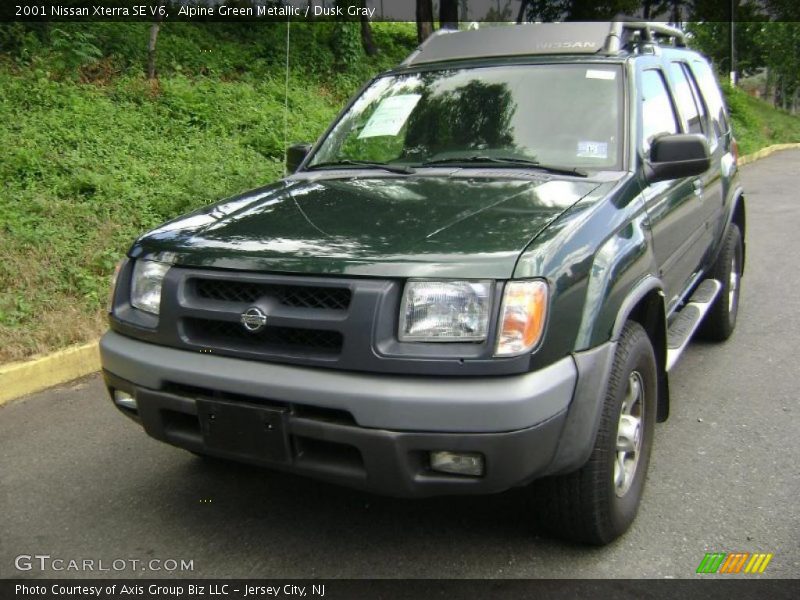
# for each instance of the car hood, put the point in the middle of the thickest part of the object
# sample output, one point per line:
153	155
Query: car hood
420	226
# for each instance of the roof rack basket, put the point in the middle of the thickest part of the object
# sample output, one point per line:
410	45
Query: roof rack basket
647	31
591	37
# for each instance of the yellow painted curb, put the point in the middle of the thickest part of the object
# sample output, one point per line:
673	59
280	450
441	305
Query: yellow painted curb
29	376
764	152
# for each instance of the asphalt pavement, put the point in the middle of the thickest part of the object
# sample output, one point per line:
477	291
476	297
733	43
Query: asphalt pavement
79	481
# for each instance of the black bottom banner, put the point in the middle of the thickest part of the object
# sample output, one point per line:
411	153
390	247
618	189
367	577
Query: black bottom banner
334	589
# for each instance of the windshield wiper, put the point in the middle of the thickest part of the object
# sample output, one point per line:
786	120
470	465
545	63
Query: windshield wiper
393	168
508	160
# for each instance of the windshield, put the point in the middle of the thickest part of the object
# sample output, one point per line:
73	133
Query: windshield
557	115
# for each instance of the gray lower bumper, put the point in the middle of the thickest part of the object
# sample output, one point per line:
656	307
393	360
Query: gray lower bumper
525	426
397	402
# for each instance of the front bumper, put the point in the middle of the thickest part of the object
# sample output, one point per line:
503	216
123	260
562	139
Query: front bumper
367	431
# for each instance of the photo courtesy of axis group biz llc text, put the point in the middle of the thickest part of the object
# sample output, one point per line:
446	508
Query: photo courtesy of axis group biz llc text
176	590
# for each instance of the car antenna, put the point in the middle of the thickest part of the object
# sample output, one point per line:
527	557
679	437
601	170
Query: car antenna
286	97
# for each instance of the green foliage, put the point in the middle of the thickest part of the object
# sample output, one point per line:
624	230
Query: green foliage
21	41
86	170
756	124
477	114
346	43
94	154
74	49
782	50
578	10
327	52
774	45
712	38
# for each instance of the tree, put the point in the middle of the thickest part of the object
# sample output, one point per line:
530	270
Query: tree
760	43
783	10
346	43
448	14
782	50
152	41
151	49
574	10
712	38
498	13
424	19
366	33
474	116
782	54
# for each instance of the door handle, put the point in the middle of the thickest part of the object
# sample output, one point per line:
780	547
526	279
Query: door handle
698	186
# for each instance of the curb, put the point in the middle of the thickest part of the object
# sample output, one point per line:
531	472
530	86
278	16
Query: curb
764	152
26	377
29	376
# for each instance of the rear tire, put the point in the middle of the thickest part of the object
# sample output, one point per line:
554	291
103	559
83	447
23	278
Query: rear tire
720	321
597	503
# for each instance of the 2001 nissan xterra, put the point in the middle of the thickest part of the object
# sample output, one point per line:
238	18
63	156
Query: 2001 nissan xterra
480	276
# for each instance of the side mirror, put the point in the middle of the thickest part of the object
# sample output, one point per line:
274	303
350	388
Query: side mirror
295	155
677	156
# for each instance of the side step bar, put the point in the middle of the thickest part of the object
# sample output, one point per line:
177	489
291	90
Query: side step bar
689	318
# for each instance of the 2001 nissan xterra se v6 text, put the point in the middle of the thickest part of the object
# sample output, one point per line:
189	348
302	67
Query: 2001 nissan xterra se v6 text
480	276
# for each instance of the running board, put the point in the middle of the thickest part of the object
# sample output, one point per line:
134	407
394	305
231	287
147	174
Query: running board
689	318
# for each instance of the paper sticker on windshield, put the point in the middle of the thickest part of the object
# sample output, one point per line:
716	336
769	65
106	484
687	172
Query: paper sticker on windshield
592	150
390	116
601	74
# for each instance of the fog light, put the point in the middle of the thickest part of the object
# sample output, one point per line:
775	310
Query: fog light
460	463
124	399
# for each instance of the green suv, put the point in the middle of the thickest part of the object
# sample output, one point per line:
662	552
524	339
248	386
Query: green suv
480	276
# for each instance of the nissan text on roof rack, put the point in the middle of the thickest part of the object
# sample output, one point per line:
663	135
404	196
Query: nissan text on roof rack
481	275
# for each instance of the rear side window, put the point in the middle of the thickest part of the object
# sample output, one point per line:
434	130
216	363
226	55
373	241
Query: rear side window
713	97
658	115
686	96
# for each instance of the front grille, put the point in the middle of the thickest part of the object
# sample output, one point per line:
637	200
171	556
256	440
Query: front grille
227	334
295	296
330	321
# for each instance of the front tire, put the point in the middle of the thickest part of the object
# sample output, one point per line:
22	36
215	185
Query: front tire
597	503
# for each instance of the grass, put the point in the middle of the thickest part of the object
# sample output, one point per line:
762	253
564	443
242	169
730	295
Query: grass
93	155
757	124
87	169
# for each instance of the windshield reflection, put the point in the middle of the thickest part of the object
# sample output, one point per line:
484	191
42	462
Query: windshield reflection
563	115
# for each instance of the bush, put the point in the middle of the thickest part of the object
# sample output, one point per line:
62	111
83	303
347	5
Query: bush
87	167
756	123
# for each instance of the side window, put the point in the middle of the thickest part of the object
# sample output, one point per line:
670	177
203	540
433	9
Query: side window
658	116
711	94
712	132
686	97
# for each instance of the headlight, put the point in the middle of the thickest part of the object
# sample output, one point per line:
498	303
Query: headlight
148	276
445	311
522	317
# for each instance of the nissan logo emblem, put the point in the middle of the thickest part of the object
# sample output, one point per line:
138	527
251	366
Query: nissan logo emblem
254	319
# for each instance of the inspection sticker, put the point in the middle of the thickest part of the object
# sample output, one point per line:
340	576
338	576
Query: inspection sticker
592	150
390	116
601	74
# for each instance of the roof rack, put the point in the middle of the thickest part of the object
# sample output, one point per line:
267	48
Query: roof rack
647	31
544	38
